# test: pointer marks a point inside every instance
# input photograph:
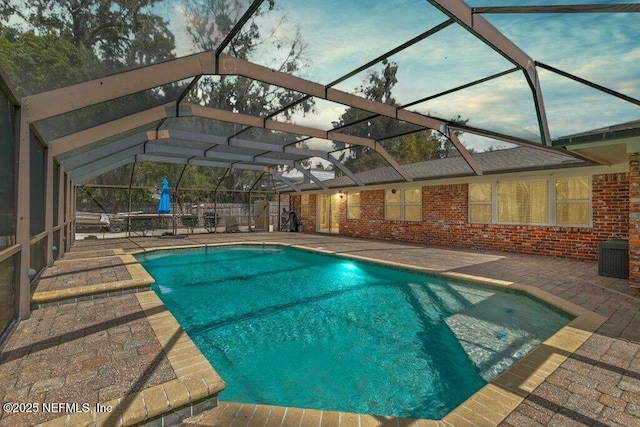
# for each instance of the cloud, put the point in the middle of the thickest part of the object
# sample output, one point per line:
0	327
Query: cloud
342	35
178	23
325	114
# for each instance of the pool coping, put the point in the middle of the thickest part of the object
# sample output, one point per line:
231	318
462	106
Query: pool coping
496	400
140	281
197	384
194	390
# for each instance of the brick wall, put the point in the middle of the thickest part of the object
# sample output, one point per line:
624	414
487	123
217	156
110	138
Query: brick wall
445	211
308	221
610	205
634	221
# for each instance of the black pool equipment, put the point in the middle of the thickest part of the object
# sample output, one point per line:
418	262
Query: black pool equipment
613	258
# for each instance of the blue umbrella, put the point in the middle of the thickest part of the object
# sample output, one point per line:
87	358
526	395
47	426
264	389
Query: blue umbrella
164	206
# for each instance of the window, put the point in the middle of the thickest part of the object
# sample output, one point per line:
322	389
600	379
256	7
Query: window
413	205
353	206
403	204
305	206
523	202
480	203
572	201
393	204
559	201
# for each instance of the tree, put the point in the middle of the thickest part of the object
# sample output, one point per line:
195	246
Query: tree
208	25
446	148
55	43
38	63
410	147
378	86
48	44
121	33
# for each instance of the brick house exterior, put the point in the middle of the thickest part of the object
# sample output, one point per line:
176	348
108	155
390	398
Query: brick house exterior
445	222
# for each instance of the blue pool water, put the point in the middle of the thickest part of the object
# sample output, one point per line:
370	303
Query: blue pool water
293	328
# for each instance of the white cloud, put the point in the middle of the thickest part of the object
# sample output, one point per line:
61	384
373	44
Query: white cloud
178	23
342	35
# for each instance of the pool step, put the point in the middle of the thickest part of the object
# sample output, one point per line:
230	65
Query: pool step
231	414
437	301
84	269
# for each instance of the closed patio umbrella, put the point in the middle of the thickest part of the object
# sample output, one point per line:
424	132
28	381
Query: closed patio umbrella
164	205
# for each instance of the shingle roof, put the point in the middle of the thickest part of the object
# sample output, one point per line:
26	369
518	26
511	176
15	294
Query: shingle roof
621	130
490	162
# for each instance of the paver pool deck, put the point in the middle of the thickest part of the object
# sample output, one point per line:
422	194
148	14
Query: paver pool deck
98	335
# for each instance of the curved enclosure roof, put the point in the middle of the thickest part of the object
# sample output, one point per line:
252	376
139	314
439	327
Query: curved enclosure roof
288	86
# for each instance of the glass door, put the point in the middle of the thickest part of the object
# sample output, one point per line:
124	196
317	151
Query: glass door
334	215
328	213
323	213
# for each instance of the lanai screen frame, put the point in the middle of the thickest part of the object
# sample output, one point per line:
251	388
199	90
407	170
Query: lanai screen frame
34	108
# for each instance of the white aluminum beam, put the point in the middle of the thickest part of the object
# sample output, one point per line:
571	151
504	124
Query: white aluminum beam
487	33
234	66
79	180
286	181
228	165
456	142
104	163
564	8
74	162
309	175
71	98
95	134
23	215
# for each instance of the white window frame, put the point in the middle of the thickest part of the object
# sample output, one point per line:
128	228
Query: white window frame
549	199
305	207
588	201
351	205
491	203
551	207
403	204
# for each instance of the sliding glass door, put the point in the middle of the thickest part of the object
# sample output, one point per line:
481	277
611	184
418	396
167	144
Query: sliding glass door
329	213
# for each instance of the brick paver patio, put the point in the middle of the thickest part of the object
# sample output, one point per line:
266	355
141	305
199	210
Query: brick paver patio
97	350
87	352
82	272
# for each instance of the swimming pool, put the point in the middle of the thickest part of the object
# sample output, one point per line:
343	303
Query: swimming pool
294	328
